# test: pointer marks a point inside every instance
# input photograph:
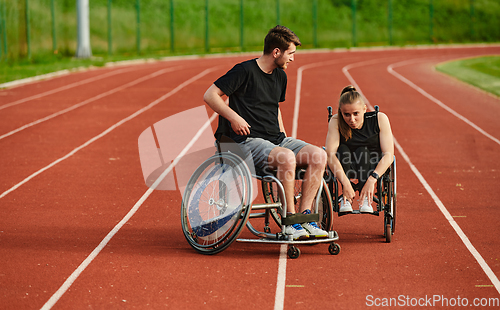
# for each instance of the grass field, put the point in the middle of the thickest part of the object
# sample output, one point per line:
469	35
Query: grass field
482	72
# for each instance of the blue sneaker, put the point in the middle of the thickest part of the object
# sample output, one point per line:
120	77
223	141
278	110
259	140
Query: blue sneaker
297	231
313	229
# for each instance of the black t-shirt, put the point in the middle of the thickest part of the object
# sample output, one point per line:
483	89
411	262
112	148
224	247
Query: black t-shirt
255	96
367	136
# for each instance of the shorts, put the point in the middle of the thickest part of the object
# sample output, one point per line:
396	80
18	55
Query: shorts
260	148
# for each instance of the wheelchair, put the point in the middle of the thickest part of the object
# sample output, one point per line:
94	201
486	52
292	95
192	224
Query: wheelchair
218	203
385	195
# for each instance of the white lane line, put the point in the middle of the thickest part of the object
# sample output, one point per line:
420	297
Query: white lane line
65	87
149	106
487	270
390	69
67	284
491	275
298	89
80	104
279	299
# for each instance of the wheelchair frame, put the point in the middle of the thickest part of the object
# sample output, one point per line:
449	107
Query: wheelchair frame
217	203
385	197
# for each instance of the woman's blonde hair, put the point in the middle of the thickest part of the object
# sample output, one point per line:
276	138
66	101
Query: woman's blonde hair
348	96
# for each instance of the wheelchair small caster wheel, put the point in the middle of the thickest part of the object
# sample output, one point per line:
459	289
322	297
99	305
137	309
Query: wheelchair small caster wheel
334	248
293	252
388	233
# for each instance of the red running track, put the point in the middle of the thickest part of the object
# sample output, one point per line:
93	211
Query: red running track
71	174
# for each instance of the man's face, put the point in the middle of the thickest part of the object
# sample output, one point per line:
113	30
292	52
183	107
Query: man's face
282	58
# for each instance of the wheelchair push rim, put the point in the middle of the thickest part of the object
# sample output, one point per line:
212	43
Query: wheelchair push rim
216	203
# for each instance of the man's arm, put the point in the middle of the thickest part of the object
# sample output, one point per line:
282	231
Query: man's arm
213	97
280	121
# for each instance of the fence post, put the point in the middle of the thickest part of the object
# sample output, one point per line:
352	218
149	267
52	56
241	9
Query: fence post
110	38
1	29
54	38
353	7
389	21
207	35
4	27
172	34
277	12
472	20
28	34
431	20
315	23
242	25
83	49
138	9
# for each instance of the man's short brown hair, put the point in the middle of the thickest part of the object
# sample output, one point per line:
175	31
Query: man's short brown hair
280	37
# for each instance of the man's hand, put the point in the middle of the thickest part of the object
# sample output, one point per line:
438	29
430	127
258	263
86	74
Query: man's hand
240	126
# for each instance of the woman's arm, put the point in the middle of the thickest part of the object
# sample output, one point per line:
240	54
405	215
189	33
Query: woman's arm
387	147
332	145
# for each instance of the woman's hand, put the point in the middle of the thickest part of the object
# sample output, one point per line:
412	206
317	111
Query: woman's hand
348	192
368	190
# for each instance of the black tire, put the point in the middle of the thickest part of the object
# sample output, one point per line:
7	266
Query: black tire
394	194
216	203
388	199
293	252
388	233
334	248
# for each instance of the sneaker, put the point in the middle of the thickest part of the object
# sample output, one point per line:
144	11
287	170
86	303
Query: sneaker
365	207
297	231
345	207
313	229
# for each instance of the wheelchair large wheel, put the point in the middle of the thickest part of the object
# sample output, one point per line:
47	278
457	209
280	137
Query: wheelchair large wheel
389	201
216	203
271	195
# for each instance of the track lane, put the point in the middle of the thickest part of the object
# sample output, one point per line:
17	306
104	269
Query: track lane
128	268
399	279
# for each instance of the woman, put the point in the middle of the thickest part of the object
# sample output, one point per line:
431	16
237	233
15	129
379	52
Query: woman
360	146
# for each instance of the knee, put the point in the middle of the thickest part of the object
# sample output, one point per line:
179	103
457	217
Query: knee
284	159
319	158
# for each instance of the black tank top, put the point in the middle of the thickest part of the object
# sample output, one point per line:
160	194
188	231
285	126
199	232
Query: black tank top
367	136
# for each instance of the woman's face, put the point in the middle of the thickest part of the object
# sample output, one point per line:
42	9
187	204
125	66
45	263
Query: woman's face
354	113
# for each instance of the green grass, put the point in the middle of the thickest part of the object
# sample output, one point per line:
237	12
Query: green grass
52	49
482	72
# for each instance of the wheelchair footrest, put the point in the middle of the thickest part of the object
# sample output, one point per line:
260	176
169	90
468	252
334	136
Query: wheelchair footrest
332	236
299	218
376	213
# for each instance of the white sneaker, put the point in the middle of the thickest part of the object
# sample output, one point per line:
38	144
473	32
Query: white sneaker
365	207
345	207
314	230
297	231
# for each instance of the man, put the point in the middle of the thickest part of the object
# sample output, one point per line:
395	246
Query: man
255	89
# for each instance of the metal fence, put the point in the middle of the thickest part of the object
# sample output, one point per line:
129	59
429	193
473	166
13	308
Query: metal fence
126	27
